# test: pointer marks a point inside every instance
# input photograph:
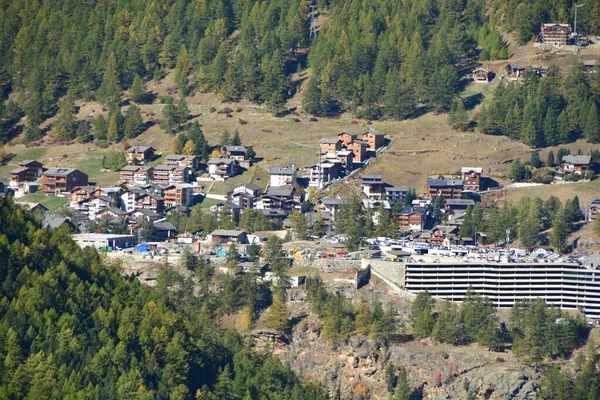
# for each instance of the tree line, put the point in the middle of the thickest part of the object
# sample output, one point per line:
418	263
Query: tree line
545	111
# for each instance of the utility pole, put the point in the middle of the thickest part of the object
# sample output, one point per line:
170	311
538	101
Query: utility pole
313	21
575	28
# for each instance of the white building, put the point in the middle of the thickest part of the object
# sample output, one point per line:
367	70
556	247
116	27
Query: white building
282	176
566	285
222	168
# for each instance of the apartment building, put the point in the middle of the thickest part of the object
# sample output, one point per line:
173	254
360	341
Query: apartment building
137	174
568	286
62	180
179	194
171	174
28	171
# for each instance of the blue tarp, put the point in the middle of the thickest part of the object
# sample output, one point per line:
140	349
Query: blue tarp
143	247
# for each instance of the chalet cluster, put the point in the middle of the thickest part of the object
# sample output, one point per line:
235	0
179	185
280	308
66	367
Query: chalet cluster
134	204
177	168
30	174
452	187
340	155
278	201
233	159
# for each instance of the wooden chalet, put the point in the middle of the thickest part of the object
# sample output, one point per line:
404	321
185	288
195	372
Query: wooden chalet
482	75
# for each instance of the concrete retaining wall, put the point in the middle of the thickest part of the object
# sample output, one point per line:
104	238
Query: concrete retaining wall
387	270
328	265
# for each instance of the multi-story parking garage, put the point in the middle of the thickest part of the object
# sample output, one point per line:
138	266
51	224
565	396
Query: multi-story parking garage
568	286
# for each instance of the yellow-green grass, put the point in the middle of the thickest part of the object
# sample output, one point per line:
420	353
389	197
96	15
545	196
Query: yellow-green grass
51	202
586	191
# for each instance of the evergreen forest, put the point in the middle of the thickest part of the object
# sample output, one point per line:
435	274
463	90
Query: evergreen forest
72	327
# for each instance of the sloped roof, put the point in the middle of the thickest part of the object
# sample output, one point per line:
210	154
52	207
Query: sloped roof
577	160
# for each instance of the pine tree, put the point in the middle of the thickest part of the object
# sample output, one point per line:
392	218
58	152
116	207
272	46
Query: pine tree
112	134
560	232
64	124
100	127
529	135
403	389
137	91
551	134
535	159
183	111
362	322
311	101
110	90
576	207
461	118
133	124
592	127
224	139
278	318
83	134
563	128
235	140
550	159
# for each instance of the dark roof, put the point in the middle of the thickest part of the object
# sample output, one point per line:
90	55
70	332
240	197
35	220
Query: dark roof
290	170
397	189
577	160
280	191
460	202
164	226
445	182
274	213
348	133
227	233
177	157
235	148
114	210
60	171
53	222
136	167
25	163
249	186
138	149
377	178
408	210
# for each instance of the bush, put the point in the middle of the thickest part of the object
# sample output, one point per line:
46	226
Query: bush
114	160
103	144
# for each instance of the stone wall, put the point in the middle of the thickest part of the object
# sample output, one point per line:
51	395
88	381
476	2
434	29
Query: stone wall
328	265
389	271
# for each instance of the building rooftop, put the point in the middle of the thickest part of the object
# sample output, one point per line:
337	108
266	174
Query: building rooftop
105	236
178	157
164	226
329	141
460	202
229	233
139	149
445	182
249	186
397	189
26	163
217	161
289	170
374	132
371	178
136	167
466	170
577	160
235	148
60	171
280	191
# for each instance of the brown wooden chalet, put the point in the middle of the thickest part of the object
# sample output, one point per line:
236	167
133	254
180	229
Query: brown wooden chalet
62	180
